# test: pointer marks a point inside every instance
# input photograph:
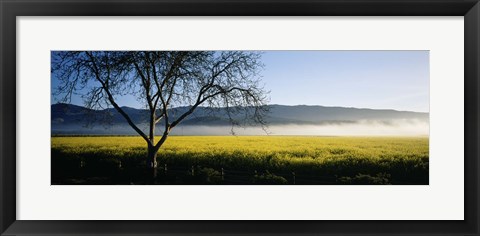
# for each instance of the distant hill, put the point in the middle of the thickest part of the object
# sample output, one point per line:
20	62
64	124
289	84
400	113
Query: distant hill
73	119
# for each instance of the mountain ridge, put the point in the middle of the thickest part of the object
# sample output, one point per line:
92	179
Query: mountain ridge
270	105
69	118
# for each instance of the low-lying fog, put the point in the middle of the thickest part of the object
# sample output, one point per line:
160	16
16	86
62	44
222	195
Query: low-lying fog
403	127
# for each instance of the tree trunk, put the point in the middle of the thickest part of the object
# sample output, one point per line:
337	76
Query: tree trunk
152	162
152	151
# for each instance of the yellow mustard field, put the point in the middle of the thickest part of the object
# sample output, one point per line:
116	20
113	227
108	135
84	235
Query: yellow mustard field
282	147
398	158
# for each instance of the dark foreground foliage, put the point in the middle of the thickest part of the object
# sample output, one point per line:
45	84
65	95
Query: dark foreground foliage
107	170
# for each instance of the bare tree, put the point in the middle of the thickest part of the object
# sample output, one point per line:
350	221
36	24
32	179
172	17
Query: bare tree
162	80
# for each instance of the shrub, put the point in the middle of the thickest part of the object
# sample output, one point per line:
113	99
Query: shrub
268	178
360	179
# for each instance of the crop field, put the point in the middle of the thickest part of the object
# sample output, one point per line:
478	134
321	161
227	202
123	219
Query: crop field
243	160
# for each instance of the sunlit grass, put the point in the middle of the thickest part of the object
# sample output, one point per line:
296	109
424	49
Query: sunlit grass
404	158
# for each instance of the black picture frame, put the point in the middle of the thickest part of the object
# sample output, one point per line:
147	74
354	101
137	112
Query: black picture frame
10	9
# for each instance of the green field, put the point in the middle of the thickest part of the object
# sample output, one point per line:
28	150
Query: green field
244	160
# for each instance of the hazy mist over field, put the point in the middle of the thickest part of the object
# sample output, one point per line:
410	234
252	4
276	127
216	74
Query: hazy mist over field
400	127
365	128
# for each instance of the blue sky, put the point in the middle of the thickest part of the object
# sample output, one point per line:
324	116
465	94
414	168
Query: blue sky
364	79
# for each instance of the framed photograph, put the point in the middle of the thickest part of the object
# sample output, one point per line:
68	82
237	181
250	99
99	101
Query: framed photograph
228	117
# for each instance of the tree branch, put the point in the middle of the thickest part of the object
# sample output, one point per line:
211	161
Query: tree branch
112	101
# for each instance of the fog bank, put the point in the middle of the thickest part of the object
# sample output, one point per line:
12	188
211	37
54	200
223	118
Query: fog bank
401	127
362	128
